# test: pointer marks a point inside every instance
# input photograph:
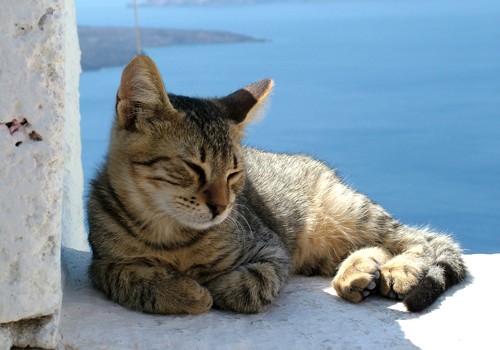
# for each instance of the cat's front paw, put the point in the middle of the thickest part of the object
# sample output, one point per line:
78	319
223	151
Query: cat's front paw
197	300
398	277
250	288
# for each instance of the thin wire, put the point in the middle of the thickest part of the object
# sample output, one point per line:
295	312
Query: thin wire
137	34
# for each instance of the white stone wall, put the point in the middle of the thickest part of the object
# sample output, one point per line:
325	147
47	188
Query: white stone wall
73	230
40	164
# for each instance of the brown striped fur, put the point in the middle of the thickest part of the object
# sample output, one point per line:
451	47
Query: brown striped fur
182	217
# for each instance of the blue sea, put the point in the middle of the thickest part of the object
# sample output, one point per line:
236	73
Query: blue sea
401	97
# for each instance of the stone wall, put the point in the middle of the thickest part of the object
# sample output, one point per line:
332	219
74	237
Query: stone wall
40	165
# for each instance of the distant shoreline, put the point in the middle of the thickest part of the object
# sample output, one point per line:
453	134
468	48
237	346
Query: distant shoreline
164	3
114	46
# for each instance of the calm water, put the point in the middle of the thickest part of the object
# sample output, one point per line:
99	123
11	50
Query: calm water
401	97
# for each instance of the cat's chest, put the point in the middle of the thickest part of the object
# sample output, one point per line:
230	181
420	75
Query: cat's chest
211	255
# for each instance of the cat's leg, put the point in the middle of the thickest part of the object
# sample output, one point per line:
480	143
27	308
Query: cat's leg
366	269
145	285
418	267
358	275
428	264
254	285
403	272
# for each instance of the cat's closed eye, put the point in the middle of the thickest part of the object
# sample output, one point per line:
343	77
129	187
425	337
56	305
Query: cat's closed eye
162	179
235	175
198	170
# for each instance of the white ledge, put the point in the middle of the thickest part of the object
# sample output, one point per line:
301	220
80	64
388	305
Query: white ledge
307	315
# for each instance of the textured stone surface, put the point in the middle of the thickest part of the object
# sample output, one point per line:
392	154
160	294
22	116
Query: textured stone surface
33	87
307	315
73	229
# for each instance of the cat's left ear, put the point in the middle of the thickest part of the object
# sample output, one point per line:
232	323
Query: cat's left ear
248	104
141	95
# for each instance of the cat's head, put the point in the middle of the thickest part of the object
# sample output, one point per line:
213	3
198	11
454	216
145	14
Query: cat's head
177	155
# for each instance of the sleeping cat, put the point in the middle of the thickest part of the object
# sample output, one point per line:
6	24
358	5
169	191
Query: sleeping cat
183	218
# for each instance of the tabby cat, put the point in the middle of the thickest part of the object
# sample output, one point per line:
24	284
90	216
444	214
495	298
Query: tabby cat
183	218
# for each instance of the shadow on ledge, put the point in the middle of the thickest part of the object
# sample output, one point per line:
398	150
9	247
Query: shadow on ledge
305	316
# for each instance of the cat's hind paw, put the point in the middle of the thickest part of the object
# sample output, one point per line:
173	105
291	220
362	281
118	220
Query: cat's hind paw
398	277
359	274
356	285
356	282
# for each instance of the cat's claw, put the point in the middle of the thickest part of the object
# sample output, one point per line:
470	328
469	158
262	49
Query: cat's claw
371	286
369	289
394	295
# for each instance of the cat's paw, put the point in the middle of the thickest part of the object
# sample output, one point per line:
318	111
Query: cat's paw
358	275
197	300
398	276
357	278
250	289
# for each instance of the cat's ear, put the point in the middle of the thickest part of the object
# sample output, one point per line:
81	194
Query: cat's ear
141	94
248	104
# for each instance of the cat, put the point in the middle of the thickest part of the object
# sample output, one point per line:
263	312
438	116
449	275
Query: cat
182	217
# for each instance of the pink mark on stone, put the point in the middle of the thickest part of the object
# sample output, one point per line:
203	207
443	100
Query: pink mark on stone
15	125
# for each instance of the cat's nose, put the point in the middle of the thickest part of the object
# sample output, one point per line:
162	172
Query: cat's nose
217	197
216	209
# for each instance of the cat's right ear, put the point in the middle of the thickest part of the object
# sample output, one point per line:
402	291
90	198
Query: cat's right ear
141	94
249	103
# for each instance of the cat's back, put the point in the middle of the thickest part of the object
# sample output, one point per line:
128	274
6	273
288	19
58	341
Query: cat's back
282	188
287	174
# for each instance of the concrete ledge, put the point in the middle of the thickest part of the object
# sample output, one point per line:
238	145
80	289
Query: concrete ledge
308	315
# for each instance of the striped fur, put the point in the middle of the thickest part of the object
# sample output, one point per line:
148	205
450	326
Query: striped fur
183	218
